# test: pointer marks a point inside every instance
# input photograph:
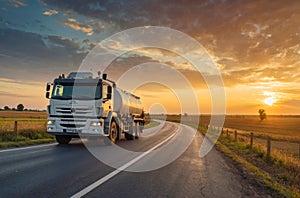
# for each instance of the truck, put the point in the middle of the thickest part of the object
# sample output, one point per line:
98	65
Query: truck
85	106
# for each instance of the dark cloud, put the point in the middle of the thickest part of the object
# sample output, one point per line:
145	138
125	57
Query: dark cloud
250	33
23	55
232	76
124	63
21	44
17	3
65	44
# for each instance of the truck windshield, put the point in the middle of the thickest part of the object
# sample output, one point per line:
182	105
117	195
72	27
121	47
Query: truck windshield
80	92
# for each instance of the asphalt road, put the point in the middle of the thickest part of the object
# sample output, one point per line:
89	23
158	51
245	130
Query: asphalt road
63	171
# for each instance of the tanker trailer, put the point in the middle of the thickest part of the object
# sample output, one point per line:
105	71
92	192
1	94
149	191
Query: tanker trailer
130	110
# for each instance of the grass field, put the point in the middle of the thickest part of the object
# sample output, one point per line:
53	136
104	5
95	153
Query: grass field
31	128
27	121
284	131
279	127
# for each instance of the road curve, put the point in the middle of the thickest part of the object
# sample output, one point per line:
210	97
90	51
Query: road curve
64	171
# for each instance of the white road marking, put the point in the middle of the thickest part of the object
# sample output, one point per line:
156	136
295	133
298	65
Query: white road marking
28	147
96	184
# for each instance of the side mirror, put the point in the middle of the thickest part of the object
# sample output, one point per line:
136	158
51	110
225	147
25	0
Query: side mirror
48	87
48	94
108	96
109	90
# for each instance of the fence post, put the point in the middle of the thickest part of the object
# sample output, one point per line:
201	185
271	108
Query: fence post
227	132
16	128
222	131
235	136
268	146
251	140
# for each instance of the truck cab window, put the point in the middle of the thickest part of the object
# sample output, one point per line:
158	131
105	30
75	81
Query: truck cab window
82	91
58	90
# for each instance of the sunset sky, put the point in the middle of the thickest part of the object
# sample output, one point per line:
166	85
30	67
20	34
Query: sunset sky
254	44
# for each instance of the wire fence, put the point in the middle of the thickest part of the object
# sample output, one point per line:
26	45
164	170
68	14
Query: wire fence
271	145
17	130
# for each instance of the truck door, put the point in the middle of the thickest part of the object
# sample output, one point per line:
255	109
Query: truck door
107	95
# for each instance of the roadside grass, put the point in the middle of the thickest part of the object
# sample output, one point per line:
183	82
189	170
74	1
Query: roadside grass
259	174
151	124
31	129
276	172
279	171
26	142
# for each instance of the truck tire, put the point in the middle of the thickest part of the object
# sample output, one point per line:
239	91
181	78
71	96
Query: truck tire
113	132
62	139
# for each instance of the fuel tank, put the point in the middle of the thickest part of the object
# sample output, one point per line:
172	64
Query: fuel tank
127	103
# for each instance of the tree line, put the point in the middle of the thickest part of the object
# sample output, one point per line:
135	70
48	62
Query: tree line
19	107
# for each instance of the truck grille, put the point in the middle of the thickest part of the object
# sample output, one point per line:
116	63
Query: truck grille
71	123
74	110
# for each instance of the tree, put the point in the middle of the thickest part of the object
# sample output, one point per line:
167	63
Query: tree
262	114
6	108
20	107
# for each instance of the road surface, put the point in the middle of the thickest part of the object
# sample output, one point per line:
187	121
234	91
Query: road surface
53	170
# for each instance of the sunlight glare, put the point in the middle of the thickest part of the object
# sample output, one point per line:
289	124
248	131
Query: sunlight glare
269	101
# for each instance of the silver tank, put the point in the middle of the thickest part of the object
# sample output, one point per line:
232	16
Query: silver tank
127	103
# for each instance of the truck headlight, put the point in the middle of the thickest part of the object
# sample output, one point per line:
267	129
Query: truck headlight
96	123
50	122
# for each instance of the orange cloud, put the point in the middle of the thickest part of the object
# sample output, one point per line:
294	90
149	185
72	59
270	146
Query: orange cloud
74	24
50	12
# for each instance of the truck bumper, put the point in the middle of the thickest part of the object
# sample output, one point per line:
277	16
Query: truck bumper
75	126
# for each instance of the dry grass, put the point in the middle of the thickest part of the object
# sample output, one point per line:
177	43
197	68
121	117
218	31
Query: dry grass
285	128
271	172
274	125
30	126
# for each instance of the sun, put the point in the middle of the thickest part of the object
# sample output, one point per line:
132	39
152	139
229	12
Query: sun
269	101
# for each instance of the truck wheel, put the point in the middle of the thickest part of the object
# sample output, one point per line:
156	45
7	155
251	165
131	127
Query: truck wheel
113	132
61	139
128	136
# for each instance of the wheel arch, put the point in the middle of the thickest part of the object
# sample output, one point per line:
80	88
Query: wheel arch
112	116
